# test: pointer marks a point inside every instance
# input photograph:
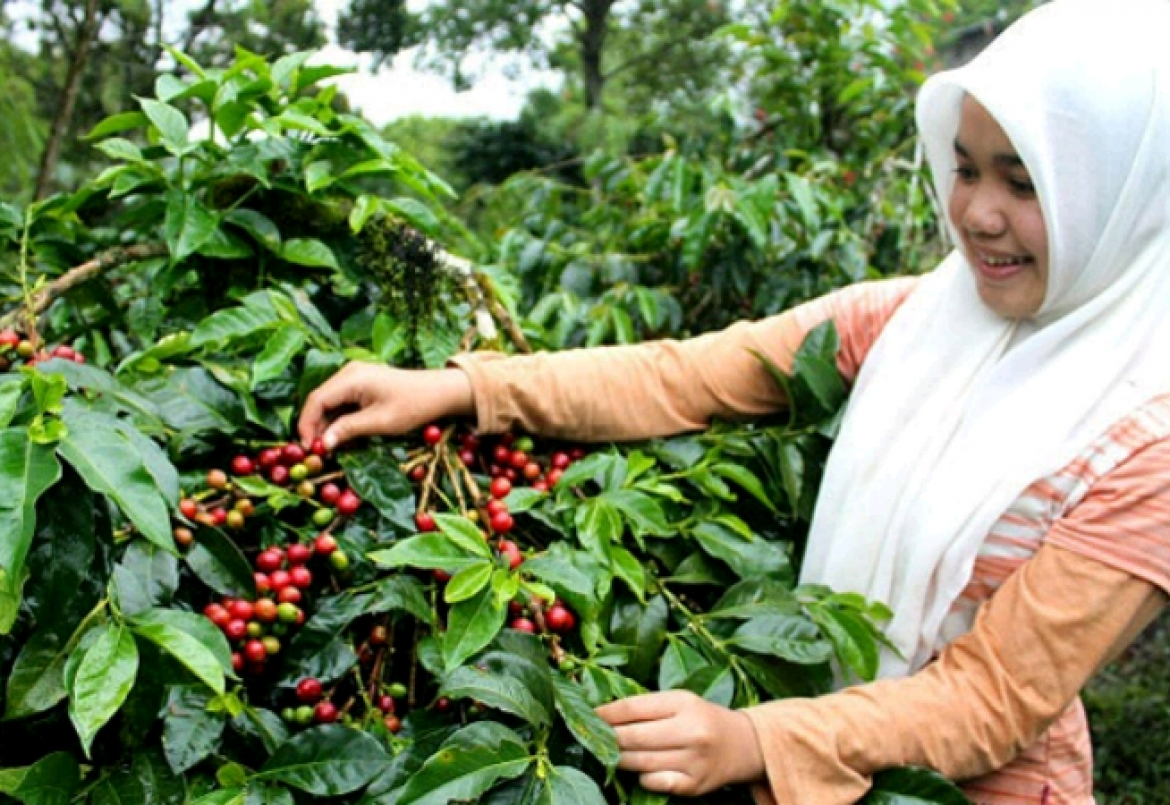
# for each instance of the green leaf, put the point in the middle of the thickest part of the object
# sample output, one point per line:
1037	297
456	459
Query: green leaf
746	479
587	727
566	785
232	324
171	124
284	345
257	225
788	637
464	533
326	761
364	208
748	558
599	525
10	391
415	212
802	193
120	149
404	593
190	731
853	641
468	581
188	225
220	564
115	123
427	552
308	252
189	638
643	512
471	625
27	470
105	674
373	473
52	780
500	691
111	465
627	568
318	175
146	577
913	786
469	763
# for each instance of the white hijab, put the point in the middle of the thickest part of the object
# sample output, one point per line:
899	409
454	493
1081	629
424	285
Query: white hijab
956	411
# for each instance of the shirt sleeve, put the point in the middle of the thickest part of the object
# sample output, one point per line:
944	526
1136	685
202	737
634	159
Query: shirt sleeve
1125	522
988	696
659	388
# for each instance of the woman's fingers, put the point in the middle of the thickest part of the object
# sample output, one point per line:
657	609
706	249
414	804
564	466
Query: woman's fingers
651	735
339	390
646	707
671	760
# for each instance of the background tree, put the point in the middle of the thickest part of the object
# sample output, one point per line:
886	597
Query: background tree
90	55
577	36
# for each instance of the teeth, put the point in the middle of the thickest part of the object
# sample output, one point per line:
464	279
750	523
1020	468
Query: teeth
1002	261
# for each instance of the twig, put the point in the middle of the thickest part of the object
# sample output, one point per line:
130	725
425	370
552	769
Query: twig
85	272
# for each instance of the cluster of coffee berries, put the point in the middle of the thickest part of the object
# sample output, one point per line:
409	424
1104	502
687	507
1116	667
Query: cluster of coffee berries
16	349
225	502
536	618
283	578
315	705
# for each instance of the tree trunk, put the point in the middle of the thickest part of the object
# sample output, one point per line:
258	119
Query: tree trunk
592	42
85	36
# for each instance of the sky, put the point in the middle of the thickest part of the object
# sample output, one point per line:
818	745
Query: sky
399	90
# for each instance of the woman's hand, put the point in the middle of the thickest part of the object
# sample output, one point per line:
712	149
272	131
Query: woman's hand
367	399
682	744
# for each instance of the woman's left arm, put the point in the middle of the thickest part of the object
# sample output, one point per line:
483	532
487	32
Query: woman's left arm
1070	608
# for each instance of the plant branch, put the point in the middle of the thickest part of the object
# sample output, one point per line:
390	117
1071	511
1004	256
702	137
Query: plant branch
77	275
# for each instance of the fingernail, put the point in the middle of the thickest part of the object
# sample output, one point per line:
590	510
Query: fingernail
330	439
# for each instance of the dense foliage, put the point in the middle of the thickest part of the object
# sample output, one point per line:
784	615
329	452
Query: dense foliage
193	608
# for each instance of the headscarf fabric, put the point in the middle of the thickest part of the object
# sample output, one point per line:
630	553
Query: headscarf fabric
956	411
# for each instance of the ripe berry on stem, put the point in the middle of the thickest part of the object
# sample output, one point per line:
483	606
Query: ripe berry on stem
432	434
309	690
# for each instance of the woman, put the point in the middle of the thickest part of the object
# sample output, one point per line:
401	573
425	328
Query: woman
1000	479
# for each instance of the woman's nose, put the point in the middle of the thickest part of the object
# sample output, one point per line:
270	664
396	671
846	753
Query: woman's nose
984	214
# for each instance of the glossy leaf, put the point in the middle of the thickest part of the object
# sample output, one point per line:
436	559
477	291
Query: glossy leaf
189	638
110	464
501	691
471	625
282	346
27	470
587	727
326	761
469	763
105	673
219	563
52	780
308	252
190	731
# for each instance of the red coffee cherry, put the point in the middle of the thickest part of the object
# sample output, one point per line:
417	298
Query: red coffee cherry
348	503
292	453
325	713
329	494
318	448
325	544
299	553
255	651
242	465
559	618
432	434
309	690
425	521
500	487
523	625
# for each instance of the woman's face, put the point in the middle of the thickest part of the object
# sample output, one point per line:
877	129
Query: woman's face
994	208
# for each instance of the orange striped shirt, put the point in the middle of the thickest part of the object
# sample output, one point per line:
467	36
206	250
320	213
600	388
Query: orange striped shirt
1057	769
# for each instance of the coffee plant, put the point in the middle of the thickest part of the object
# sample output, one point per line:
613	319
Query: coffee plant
196	608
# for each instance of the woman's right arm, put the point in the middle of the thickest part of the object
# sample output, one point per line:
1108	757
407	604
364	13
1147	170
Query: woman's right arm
618	393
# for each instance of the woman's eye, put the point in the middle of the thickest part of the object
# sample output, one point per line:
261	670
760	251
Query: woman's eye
1022	186
966	173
